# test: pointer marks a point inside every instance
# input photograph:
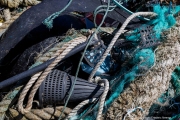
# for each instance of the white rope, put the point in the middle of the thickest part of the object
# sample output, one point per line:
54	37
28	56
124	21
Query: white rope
39	77
101	105
79	106
116	37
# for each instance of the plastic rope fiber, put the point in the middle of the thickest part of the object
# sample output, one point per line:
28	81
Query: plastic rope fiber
41	75
49	21
116	37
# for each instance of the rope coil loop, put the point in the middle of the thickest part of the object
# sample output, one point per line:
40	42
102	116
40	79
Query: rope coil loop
116	37
42	75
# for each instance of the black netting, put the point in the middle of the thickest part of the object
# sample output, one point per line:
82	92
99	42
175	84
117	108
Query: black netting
148	37
55	89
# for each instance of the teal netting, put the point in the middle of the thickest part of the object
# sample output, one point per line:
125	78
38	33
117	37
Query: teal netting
144	58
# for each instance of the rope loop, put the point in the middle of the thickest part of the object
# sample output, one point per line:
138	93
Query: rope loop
39	77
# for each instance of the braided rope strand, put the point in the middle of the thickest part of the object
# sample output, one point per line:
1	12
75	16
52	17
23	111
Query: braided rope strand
72	44
116	37
31	82
85	102
102	99
7	100
79	106
40	114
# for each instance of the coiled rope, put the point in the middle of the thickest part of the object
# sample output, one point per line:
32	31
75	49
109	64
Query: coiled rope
70	45
7	100
116	37
16	3
40	114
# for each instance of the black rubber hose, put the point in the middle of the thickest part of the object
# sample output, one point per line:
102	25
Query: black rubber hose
25	74
39	68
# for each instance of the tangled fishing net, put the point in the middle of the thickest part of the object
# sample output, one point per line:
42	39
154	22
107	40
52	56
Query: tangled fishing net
134	90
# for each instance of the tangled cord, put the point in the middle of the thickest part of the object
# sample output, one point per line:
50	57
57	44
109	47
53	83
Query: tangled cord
49	21
102	100
116	37
42	75
79	64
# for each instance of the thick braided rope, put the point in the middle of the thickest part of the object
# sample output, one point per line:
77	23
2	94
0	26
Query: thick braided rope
16	3
73	43
116	37
40	114
145	90
7	14
7	100
79	106
34	78
6	24
102	99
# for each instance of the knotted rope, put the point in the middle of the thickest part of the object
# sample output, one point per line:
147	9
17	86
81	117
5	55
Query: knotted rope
16	3
40	114
61	54
120	31
78	107
101	105
147	89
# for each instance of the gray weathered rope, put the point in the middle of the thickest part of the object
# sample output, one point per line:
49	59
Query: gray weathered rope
40	114
101	105
73	43
16	3
116	37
